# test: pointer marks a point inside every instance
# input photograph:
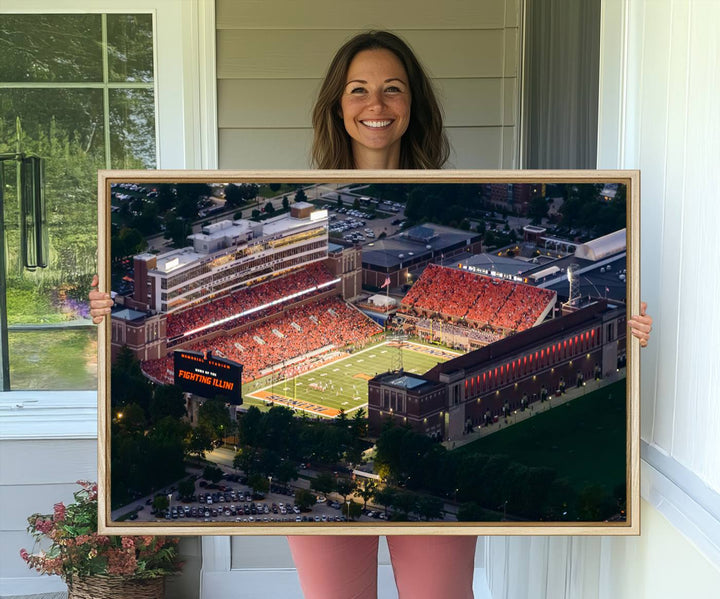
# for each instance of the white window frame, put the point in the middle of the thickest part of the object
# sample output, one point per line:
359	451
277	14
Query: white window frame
186	132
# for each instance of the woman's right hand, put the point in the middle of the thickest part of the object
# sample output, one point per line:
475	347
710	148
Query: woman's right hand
100	302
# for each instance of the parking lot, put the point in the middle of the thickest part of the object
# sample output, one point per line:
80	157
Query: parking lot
361	226
231	501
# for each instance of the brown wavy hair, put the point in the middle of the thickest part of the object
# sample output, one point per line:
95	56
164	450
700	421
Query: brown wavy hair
424	145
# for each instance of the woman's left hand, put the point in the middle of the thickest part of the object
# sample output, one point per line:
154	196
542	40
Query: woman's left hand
641	325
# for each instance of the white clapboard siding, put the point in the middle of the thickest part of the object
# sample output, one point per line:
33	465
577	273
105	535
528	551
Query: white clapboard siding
342	14
271	58
263	103
260	54
264	148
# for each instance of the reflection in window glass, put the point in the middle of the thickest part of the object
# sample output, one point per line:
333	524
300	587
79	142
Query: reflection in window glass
132	128
52	342
130	47
54	359
37	48
51	119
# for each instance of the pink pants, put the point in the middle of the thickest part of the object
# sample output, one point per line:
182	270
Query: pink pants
345	567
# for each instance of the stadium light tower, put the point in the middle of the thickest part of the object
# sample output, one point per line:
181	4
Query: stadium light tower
397	358
574	283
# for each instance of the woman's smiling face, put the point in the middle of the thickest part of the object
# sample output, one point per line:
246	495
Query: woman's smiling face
375	108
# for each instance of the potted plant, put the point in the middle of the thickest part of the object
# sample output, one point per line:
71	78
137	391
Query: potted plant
93	565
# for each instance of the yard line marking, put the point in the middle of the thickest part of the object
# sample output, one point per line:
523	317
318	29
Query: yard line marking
305	406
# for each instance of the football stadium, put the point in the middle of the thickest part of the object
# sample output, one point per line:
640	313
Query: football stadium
277	303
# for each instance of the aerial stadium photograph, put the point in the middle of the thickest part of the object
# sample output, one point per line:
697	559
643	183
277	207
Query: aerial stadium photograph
316	354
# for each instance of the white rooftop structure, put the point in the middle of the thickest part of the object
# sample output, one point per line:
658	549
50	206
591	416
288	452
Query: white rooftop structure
602	247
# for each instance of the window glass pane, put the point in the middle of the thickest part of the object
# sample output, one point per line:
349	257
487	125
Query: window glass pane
130	47
65	128
132	128
38	48
52	120
54	359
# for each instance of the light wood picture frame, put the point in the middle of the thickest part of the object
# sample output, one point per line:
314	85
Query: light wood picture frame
369	352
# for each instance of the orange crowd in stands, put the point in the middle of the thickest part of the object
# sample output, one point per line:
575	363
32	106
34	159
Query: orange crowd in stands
245	299
325	325
482	300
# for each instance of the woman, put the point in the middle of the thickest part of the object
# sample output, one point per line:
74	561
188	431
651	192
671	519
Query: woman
377	110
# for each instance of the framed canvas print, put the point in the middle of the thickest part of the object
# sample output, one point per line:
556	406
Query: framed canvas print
369	352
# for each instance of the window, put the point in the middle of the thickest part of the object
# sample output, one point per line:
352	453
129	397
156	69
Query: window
77	90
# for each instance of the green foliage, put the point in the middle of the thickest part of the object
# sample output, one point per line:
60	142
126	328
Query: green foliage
167	400
214	417
186	488
236	195
269	208
160	503
472	512
352	510
304	499
300	195
127	382
429	507
402	451
366	489
538	210
233	196
285	471
385	497
594	503
447	204
584	208
259	483
345	486
198	441
212	473
323	483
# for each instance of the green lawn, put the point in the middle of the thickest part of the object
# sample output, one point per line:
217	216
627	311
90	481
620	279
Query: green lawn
53	359
583	440
344	383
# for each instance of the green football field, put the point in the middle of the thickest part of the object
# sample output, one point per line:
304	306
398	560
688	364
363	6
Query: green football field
342	385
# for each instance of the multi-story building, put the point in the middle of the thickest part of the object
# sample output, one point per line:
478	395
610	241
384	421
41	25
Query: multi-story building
228	255
505	375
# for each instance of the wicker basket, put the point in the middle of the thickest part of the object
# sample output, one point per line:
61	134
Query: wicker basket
116	587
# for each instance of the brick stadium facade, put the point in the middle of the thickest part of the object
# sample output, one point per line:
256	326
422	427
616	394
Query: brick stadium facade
140	323
517	370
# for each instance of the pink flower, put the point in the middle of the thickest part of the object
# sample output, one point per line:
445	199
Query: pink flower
121	562
24	555
128	543
43	526
59	512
